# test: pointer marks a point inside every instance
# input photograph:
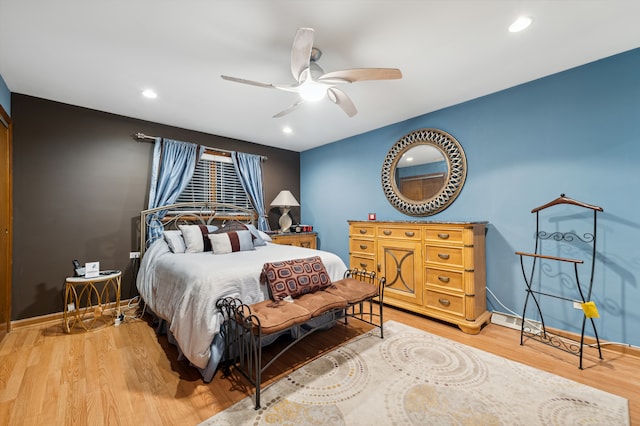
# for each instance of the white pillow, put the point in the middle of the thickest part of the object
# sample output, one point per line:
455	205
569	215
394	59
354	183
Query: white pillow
175	241
232	241
194	236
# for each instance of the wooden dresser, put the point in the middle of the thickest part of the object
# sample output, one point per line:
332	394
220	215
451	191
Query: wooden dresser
432	268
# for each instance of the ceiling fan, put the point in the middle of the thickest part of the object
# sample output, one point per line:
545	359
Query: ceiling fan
312	83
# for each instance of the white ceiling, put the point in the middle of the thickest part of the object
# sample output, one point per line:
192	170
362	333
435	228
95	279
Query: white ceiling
101	55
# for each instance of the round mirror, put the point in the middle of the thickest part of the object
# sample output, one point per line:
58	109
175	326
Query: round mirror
421	172
424	172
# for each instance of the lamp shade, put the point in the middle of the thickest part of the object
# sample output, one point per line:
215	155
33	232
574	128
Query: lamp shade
285	199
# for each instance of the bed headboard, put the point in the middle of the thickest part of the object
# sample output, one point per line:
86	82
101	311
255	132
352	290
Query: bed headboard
204	213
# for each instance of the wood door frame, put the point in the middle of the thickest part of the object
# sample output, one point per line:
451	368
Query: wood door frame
5	298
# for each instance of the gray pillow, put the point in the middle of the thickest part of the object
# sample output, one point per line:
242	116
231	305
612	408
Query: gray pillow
175	241
257	239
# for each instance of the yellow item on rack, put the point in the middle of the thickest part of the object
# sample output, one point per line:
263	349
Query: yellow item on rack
590	310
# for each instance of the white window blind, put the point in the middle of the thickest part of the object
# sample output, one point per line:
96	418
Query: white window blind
215	180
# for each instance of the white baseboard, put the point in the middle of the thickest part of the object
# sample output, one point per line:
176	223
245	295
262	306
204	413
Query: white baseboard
515	322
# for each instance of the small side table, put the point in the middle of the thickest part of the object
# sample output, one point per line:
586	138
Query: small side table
300	239
84	304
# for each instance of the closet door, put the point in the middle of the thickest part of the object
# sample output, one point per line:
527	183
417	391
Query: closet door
5	222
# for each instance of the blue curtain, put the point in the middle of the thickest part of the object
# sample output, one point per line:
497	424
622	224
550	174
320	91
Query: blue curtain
173	165
249	170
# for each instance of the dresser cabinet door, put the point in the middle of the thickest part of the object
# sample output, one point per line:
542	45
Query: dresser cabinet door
400	262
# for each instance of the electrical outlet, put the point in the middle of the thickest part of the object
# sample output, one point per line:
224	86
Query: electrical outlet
577	305
134	255
71	307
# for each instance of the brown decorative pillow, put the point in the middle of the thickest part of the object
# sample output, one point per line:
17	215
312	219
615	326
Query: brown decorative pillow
295	277
232	225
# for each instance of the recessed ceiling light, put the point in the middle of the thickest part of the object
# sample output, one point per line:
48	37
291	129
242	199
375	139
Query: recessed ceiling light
287	129
520	24
150	94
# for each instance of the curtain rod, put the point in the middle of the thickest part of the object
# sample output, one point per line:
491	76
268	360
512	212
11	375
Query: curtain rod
142	137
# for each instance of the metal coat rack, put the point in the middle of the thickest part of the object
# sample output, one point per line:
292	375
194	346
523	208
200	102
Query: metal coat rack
582	290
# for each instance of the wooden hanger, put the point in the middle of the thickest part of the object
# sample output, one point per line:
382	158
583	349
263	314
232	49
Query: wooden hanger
565	200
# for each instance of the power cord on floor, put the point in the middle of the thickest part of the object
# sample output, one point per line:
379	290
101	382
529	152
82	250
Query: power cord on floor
539	330
527	322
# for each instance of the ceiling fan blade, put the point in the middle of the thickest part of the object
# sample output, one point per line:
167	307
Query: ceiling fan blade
301	52
341	99
361	74
250	82
288	110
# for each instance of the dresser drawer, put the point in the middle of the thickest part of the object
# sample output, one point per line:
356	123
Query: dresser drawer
307	240
442	278
451	256
362	262
361	231
446	235
444	302
406	233
357	245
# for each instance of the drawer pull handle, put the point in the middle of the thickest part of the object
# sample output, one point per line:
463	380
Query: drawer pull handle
363	231
386	232
409	233
378	267
444	256
363	246
443	279
444	302
363	265
443	236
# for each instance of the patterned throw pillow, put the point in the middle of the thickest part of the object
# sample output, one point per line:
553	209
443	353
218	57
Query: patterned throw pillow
295	277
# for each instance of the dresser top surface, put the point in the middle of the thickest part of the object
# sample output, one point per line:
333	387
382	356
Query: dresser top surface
420	222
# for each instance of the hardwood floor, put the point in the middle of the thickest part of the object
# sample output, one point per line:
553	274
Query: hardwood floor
127	375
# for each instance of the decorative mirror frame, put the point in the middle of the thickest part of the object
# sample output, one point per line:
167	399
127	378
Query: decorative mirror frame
457	166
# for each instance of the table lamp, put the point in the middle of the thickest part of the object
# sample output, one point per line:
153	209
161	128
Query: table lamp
285	200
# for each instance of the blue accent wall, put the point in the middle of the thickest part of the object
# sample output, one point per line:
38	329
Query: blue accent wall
576	132
5	96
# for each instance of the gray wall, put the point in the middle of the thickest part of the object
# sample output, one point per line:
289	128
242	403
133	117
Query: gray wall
80	181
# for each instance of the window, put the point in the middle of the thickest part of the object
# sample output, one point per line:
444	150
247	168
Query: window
215	180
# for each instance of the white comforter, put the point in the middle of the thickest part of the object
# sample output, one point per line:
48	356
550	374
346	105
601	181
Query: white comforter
183	288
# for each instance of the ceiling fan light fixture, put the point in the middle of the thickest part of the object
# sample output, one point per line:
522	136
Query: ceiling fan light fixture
149	94
312	92
520	24
312	83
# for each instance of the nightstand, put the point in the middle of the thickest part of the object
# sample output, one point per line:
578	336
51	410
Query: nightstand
84	304
300	239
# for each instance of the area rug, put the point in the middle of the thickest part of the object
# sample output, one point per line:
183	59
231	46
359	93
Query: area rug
415	378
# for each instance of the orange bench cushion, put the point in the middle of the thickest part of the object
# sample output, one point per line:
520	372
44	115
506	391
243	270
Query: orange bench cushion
320	302
352	290
279	316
